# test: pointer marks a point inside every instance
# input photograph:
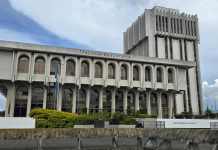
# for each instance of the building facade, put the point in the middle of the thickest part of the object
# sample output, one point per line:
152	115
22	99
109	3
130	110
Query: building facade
158	74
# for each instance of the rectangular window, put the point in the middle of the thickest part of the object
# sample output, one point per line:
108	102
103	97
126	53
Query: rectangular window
166	21
156	47
181	26
157	29
171	49
166	48
160	23
180	47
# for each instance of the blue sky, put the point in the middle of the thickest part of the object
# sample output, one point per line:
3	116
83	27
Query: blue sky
99	24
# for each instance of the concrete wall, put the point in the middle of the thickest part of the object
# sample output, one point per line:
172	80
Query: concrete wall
6	67
201	135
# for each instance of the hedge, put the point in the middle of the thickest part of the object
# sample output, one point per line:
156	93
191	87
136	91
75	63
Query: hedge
46	118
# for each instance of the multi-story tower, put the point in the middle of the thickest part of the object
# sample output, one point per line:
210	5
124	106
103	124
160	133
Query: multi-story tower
168	34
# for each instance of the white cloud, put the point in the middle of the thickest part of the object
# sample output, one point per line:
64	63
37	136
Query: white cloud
97	23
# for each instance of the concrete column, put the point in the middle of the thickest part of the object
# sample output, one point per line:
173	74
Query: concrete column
59	99
159	105
125	94
87	99
11	95
45	97
101	99
74	100
29	99
113	101
148	98
170	100
136	101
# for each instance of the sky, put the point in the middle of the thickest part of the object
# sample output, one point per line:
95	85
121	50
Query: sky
99	25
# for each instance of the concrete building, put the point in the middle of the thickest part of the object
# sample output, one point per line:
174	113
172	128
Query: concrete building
158	74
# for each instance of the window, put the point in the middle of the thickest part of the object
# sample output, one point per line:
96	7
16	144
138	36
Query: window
85	69
70	68
98	70
37	97
165	109
3	90
39	66
23	64
124	72
67	99
136	73
21	97
148	74
154	104
55	67
170	75
111	71
52	96
159	74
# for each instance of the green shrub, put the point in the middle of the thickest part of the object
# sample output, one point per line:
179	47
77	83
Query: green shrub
53	119
128	121
121	118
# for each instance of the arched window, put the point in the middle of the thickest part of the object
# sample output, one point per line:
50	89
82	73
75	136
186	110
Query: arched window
148	74
55	67
111	71
159	74
136	73
37	97
23	64
98	70
70	68
21	97
124	72
85	69
39	67
171	76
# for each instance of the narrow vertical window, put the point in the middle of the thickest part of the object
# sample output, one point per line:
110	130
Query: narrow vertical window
124	72
111	71
159	74
85	69
148	74
98	70
23	64
39	67
70	68
55	67
136	75
171	75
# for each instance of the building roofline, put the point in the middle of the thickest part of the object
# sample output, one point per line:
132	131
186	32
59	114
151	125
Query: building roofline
9	45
